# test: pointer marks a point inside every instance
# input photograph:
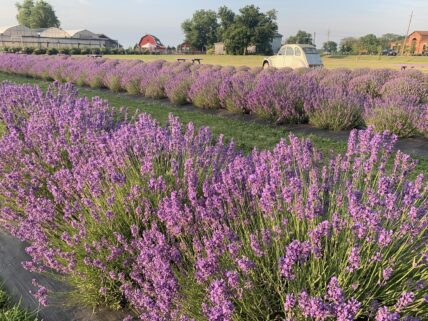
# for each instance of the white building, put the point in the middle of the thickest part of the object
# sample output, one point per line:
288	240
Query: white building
21	36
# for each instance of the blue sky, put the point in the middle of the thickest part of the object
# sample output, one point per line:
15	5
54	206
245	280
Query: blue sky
128	20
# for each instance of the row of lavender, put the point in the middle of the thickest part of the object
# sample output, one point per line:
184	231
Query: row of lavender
176	227
331	99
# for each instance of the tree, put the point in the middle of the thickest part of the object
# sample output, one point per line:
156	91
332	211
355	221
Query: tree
227	18
251	27
36	15
348	45
302	37
201	30
330	46
24	12
388	38
370	43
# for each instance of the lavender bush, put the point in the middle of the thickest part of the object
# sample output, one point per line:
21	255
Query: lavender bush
165	221
337	109
398	115
325	98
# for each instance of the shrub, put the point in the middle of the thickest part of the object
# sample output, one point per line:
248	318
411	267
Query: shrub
281	96
40	51
52	51
105	51
149	73
65	51
28	50
177	87
180	227
75	51
406	87
85	51
367	85
95	51
204	90
337	110
401	117
235	90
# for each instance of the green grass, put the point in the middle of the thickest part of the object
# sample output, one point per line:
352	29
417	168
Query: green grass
12	312
351	62
246	133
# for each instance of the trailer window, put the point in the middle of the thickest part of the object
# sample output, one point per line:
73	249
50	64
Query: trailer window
289	51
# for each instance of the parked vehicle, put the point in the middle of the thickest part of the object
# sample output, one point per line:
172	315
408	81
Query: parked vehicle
294	56
389	52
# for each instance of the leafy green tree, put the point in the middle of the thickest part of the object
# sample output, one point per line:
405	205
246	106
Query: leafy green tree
24	12
369	43
302	37
201	30
386	39
227	19
251	27
43	16
36	15
348	45
330	46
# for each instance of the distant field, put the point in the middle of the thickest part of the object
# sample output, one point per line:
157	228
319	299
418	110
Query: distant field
351	62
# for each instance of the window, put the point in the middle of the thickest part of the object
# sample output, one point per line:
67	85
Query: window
310	50
289	51
297	52
281	51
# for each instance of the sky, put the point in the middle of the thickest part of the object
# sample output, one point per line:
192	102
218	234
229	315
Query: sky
128	20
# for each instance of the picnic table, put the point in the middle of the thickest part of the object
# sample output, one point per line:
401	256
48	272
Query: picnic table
193	60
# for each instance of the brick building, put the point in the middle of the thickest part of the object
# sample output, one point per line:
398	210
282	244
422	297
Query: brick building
416	43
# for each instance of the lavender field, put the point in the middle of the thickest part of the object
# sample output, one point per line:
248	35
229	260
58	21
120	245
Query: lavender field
170	224
331	99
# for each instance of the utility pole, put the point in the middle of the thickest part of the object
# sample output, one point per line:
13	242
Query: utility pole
315	34
328	35
407	34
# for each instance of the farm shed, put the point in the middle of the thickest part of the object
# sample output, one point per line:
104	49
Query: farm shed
151	43
21	36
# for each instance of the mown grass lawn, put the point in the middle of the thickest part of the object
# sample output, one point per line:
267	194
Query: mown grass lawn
246	133
333	62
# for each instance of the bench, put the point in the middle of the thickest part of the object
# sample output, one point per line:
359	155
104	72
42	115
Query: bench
193	60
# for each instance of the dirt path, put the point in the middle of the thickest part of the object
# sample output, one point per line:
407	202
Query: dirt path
17	283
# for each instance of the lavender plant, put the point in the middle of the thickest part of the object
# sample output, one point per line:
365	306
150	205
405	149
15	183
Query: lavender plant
333	99
176	227
336	109
397	115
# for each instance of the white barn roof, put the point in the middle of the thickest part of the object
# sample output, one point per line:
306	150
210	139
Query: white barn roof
18	30
54	33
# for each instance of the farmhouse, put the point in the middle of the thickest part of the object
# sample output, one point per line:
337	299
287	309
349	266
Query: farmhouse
219	48
21	36
151	43
416	42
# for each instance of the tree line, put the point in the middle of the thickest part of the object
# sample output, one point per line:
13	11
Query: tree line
238	31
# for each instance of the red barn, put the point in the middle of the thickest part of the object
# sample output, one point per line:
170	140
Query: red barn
151	43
